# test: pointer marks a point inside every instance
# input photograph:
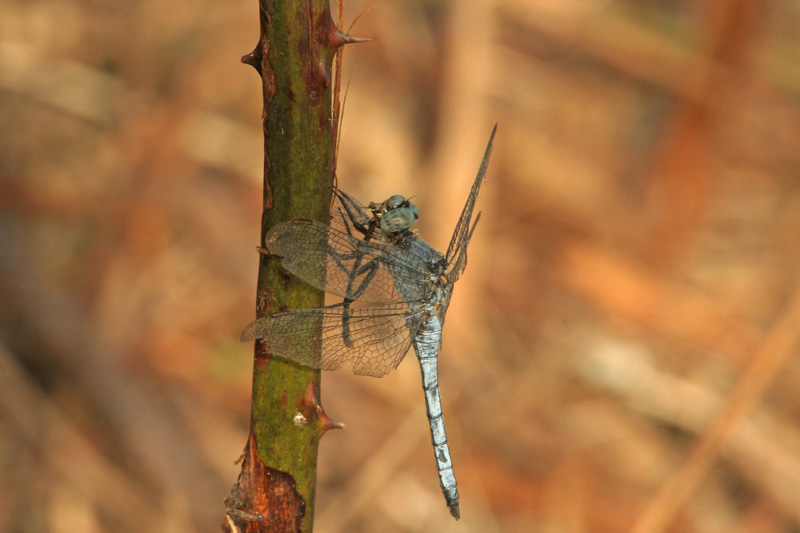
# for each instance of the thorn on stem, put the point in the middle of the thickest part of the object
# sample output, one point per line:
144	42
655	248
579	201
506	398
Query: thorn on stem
325	422
309	404
337	37
254	58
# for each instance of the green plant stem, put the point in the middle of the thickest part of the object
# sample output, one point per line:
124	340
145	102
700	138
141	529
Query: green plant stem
276	488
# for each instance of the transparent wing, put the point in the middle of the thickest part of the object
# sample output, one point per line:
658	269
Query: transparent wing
346	266
455	269
456	255
372	339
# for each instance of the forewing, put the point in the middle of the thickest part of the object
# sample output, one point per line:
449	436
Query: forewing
457	267
346	266
374	341
456	255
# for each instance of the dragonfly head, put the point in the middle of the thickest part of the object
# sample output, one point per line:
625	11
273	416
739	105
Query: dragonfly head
395	215
399	219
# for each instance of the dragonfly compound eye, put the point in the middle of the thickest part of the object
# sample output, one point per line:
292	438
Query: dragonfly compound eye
399	219
393	203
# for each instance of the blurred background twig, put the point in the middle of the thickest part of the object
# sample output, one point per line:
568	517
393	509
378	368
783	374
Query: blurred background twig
638	244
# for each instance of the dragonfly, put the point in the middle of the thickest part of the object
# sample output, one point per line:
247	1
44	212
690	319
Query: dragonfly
395	290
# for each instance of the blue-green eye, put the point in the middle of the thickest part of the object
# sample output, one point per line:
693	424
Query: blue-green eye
399	219
394	202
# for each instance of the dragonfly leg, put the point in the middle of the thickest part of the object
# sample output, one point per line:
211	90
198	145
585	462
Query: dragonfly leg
371	268
355	214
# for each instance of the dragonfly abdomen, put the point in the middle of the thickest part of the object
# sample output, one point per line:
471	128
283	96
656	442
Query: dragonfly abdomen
426	344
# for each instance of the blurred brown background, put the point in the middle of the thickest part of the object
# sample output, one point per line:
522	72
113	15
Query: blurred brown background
620	355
